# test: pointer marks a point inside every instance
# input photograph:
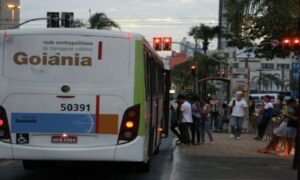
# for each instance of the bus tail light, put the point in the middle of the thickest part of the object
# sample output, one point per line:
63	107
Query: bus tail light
130	125
4	128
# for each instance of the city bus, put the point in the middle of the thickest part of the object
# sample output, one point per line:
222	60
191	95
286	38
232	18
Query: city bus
80	95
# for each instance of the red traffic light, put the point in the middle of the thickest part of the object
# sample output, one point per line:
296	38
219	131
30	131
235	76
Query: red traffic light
296	41
167	43
157	43
193	67
286	41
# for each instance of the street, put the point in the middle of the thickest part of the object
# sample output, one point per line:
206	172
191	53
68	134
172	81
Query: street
226	159
13	170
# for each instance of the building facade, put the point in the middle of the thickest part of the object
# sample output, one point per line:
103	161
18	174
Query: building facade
263	72
9	13
188	48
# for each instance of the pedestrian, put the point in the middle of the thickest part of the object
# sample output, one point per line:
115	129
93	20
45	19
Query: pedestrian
280	131
223	119
174	123
185	119
237	116
214	111
196	119
291	129
205	121
266	117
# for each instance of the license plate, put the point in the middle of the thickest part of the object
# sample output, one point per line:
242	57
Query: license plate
64	140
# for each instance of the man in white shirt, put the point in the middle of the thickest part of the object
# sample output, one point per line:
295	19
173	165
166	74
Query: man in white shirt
185	120
238	113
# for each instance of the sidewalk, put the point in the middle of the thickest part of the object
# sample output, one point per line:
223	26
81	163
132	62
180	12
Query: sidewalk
229	159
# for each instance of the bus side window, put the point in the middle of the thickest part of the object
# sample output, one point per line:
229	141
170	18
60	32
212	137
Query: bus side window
147	73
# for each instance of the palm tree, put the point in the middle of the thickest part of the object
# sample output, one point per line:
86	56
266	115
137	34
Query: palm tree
267	81
205	33
101	21
193	32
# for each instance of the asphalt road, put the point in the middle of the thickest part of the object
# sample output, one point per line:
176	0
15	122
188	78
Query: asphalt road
161	165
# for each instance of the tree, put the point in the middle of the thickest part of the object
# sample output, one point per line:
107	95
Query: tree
193	32
101	21
204	33
261	19
267	80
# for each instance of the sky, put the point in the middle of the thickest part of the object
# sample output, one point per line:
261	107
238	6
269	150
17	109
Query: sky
148	17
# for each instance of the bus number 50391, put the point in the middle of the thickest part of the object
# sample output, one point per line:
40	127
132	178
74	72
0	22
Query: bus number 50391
75	107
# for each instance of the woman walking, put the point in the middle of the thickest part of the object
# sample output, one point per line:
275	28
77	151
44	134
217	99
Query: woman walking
204	121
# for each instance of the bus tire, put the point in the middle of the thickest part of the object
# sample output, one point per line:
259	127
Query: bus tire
143	167
29	165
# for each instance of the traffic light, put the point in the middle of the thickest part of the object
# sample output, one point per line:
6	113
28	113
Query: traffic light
167	43
193	69
52	19
157	43
286	44
67	19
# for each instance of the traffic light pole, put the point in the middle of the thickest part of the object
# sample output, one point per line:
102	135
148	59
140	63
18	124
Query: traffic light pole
36	19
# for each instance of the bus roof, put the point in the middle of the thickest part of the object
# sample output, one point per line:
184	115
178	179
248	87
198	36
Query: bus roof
75	31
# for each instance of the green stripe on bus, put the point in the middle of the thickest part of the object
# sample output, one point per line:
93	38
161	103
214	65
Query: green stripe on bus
139	84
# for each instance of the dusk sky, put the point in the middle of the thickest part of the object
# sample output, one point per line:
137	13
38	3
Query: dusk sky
148	17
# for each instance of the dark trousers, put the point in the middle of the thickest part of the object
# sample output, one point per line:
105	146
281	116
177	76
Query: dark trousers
195	129
184	129
174	130
262	126
214	117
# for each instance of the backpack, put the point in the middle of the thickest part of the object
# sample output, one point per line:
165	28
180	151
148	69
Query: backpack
233	104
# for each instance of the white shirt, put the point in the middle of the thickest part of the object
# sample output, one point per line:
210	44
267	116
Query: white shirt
186	112
238	108
268	105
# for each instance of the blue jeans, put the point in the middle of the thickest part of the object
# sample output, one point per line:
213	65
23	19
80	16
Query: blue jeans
236	125
205	127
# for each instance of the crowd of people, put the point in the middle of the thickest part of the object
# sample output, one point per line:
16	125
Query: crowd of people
190	120
194	117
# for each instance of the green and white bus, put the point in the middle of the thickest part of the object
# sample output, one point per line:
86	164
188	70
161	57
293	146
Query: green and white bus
80	95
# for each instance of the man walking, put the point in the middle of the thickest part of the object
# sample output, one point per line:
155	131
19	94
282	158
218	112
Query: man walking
238	113
185	118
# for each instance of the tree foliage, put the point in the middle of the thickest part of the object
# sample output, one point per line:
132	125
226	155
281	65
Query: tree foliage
204	33
101	21
266	81
261	19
